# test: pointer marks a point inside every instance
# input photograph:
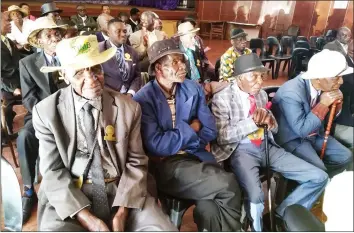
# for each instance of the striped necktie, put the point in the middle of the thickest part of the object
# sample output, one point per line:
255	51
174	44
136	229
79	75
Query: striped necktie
121	64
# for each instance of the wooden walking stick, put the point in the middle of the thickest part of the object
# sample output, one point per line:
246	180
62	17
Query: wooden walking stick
329	126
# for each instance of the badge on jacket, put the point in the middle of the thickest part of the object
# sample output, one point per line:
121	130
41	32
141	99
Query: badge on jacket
109	131
198	62
127	57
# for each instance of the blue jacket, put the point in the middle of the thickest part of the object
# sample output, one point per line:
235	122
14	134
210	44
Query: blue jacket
292	110
159	137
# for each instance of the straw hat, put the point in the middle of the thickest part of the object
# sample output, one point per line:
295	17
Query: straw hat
327	64
160	49
78	53
16	8
186	28
40	24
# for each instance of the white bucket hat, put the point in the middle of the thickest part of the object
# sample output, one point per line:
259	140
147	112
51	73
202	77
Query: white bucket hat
78	53
40	24
186	28
327	64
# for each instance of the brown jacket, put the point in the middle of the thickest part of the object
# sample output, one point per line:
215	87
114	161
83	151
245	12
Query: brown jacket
55	125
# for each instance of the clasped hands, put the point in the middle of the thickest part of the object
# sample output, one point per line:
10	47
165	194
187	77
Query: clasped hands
92	223
261	116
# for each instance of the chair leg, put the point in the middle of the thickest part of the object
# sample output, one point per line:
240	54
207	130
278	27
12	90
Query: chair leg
277	67
285	64
273	66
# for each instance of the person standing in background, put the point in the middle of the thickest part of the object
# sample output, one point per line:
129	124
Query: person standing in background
26	8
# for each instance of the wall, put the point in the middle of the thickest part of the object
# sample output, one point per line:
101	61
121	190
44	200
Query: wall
313	17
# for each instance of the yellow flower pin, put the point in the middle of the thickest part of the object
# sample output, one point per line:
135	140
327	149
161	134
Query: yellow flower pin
109	133
127	56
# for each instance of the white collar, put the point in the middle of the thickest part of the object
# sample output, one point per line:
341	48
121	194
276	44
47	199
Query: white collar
135	22
48	57
83	18
104	36
313	92
121	47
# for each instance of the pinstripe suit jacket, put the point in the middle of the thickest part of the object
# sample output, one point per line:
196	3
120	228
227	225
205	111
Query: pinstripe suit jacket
231	122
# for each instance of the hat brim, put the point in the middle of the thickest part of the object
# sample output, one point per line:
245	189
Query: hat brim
311	75
56	10
152	62
24	13
83	62
185	33
252	69
239	35
32	38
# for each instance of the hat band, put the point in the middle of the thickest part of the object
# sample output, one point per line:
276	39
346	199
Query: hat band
251	69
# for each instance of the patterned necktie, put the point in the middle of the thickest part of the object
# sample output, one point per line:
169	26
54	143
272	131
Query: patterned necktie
121	64
194	70
99	196
54	75
253	105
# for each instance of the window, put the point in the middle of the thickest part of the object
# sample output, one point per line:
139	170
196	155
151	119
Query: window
340	4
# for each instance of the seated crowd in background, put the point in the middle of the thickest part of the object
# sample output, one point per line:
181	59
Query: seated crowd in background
92	123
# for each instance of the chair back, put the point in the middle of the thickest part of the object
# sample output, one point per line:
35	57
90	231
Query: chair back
313	41
299	61
257	43
320	43
293	30
287	45
330	35
302	44
271	90
301	38
272	42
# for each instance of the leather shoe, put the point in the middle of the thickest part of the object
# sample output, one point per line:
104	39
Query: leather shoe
27	205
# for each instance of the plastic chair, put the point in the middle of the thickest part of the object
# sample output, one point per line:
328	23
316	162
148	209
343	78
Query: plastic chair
257	43
283	52
320	43
298	218
313	41
330	35
302	44
301	38
299	61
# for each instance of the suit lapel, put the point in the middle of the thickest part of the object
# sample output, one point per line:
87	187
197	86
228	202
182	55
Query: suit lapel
109	118
67	112
41	61
128	58
340	47
5	49
183	104
163	110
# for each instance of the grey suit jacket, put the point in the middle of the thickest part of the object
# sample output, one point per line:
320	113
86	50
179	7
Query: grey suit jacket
89	23
112	76
55	124
10	74
336	46
35	85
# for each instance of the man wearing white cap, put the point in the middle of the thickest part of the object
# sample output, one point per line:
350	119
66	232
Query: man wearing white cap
301	105
92	160
199	68
36	86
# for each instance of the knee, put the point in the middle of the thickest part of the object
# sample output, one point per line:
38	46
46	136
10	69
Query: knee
320	177
255	195
206	209
231	183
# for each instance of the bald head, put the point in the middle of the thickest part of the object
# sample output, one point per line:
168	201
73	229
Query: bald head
344	35
102	21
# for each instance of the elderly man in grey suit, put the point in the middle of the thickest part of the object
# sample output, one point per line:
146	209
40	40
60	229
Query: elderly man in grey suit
35	87
121	72
144	38
92	160
340	44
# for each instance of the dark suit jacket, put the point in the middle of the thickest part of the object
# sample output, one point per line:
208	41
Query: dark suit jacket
134	26
90	23
112	76
336	46
160	137
10	75
35	85
100	37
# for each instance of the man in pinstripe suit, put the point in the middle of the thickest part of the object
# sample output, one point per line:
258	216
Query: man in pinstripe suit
238	109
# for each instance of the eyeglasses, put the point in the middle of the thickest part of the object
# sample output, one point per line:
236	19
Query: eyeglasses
241	39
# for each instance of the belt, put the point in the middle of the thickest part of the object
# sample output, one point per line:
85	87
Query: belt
89	181
158	159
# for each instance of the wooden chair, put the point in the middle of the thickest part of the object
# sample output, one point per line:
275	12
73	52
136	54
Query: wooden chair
5	135
217	29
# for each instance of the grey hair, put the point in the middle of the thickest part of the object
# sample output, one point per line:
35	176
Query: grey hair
149	14
343	29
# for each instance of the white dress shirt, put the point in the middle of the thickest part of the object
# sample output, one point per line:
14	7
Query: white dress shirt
17	35
123	88
314	95
83	19
152	38
345	47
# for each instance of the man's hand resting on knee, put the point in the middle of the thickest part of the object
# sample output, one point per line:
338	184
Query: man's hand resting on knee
90	221
120	219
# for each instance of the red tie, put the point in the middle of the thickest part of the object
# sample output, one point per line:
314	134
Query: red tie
253	105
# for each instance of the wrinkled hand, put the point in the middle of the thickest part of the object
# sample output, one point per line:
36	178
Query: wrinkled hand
262	117
91	222
328	98
120	219
196	125
17	92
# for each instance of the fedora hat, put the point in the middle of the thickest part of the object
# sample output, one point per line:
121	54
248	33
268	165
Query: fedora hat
16	8
161	48
49	7
327	64
40	24
237	32
186	28
248	63
78	53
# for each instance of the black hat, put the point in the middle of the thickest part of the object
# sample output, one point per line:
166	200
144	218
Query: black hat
248	63
161	48
49	7
237	32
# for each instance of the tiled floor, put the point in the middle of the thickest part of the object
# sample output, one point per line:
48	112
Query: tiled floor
217	49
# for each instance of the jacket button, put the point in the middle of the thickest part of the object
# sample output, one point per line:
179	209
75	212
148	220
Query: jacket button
231	149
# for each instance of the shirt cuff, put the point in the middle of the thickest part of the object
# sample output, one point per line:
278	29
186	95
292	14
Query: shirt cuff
132	92
74	214
320	110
